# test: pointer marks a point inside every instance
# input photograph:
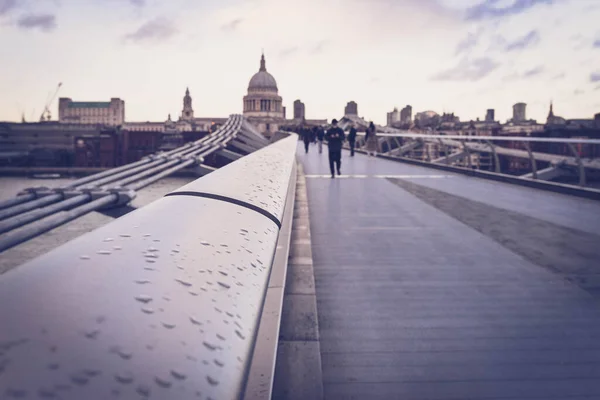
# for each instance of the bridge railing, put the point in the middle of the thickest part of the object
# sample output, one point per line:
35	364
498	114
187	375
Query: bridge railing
163	302
453	148
39	210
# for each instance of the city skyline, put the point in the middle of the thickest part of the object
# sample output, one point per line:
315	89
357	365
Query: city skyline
461	56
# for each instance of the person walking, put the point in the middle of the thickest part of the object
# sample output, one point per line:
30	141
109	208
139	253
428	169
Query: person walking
306	138
352	140
371	138
335	137
320	137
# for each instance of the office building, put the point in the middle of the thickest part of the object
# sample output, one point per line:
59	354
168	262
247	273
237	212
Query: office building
109	113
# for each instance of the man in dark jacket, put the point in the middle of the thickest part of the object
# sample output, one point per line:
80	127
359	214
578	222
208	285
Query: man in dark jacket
352	140
335	137
306	138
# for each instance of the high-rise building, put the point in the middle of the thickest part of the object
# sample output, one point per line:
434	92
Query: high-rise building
393	116
110	113
490	115
519	112
351	108
406	114
299	110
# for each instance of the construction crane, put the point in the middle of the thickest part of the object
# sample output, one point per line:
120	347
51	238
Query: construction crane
21	111
46	115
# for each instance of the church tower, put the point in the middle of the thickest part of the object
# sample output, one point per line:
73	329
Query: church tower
550	119
188	112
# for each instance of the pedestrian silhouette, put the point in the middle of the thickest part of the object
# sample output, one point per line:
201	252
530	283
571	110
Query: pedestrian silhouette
371	138
306	137
352	140
335	137
320	137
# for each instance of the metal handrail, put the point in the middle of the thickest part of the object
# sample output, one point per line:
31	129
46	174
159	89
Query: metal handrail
120	186
163	302
491	138
147	162
465	145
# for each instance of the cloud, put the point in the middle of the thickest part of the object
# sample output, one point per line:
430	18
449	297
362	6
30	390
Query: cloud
578	92
490	9
512	77
529	40
530	73
597	43
468	70
232	26
43	22
156	30
597	88
562	75
468	43
288	51
591	7
497	42
416	8
595	77
319	47
533	72
577	37
579	41
7	5
138	3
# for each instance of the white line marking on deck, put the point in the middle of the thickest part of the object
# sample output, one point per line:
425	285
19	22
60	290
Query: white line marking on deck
380	176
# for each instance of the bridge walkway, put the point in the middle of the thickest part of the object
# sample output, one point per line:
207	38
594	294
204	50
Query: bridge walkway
433	285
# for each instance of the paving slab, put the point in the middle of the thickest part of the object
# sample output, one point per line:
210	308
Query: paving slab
300	279
298	373
299	368
562	209
416	302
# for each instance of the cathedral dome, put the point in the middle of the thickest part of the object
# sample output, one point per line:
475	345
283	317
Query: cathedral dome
262	80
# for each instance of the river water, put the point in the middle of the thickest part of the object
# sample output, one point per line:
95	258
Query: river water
10	186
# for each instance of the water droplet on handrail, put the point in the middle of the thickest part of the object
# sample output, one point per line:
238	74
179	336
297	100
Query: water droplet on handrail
143	299
168	325
184	283
124	377
212	380
162	382
178	375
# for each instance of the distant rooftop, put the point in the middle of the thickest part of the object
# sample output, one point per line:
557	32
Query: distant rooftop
89	104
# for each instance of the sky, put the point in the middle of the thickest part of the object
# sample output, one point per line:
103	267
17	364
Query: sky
461	56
